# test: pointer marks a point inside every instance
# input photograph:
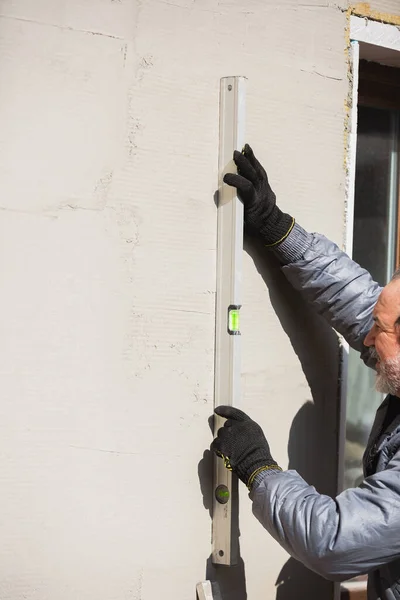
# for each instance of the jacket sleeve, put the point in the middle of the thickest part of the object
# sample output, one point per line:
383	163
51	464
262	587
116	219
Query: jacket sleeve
338	288
338	538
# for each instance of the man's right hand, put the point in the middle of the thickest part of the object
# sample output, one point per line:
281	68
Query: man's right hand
261	215
242	445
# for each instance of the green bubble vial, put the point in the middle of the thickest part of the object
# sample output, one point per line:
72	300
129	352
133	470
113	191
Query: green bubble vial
222	494
234	320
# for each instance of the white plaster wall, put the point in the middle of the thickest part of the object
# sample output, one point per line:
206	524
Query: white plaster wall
108	166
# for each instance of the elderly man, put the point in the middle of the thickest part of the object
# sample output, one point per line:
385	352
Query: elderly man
358	531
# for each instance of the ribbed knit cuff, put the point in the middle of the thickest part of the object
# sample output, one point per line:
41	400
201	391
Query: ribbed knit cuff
261	476
294	246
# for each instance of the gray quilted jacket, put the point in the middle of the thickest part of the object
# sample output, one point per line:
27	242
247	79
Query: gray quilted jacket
357	532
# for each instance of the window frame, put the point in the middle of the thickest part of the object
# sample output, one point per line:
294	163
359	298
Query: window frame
385	37
382	36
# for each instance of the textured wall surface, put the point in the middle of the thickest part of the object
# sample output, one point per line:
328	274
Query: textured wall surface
108	168
389	6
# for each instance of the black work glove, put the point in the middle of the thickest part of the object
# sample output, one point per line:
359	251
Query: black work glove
242	445
262	217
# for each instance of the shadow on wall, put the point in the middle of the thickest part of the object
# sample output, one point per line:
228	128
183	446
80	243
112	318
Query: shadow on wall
313	438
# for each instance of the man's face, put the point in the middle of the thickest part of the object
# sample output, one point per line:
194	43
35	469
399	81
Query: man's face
384	339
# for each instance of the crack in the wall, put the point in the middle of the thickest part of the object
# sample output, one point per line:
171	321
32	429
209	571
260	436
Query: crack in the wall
329	5
62	27
322	75
79	207
41	212
51	211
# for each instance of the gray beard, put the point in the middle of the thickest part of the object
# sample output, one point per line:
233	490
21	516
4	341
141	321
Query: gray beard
388	378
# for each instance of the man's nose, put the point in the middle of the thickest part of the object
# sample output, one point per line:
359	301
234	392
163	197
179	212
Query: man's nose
370	337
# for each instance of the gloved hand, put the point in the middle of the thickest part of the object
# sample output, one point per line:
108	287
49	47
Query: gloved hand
242	445
262	217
